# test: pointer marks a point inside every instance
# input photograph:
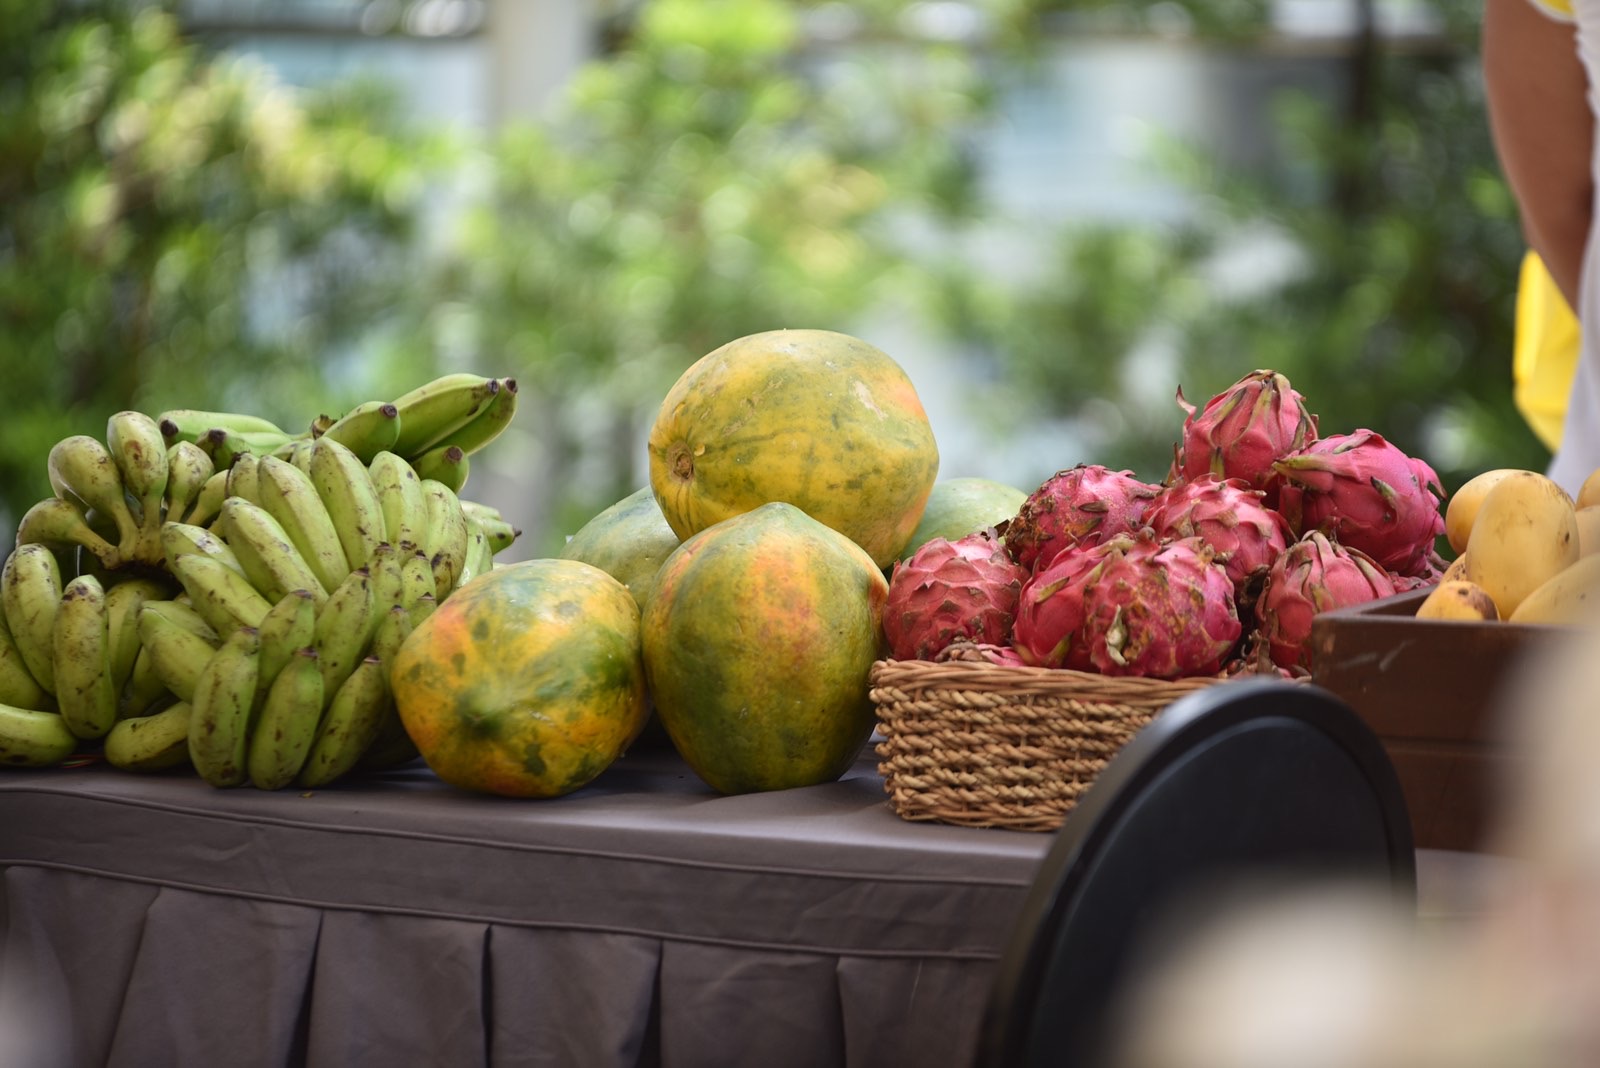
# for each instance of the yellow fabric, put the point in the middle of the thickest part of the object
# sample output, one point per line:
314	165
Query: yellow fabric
1559	8
1545	354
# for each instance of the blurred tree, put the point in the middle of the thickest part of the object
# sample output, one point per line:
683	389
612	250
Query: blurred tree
181	231
707	179
1389	244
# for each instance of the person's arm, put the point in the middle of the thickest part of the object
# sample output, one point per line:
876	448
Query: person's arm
1543	131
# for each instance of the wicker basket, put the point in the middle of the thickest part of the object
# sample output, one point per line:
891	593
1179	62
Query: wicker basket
971	742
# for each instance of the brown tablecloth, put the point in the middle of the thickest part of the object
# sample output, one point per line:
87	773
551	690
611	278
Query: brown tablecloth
393	920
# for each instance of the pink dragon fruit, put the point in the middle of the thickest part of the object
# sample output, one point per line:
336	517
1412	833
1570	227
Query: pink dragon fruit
1242	430
1367	493
1429	574
1159	609
949	590
1003	655
1314	575
1229	516
1048	631
1082	505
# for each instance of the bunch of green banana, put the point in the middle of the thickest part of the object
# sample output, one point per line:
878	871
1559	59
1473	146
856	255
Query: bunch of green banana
300	591
111	497
197	533
69	655
297	698
436	427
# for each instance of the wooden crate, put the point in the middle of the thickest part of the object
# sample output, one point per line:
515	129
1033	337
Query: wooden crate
1431	690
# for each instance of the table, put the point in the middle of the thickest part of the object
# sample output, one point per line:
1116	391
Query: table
393	920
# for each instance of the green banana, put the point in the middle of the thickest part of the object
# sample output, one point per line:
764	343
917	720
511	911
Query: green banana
391	747
445	537
344	629
190	424
405	511
140	452
289	626
391	744
182	614
219	720
123	603
18	687
182	539
394	627
447	464
480	511
354	714
499	532
271	562
208	502
290	497
188	468
436	409
287	725
242	477
384	568
345	487
82	471
144	688
480	557
33	739
55	521
30	592
82	659
366	429
225	446
296	452
487	425
177	655
416	579
223	596
151	743
422	608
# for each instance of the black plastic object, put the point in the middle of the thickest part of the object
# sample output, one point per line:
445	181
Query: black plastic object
1249	781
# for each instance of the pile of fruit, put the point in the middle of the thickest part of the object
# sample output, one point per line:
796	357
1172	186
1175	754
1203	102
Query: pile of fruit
1528	552
279	608
1260	524
206	588
787	470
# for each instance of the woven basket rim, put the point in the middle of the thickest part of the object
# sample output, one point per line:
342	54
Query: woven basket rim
1040	681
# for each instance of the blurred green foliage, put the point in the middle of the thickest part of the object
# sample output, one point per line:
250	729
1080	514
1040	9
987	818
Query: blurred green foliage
1385	245
180	230
702	183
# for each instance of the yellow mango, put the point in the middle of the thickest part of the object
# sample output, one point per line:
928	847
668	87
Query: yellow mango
1456	571
1569	596
1588	530
1589	492
1525	531
1458	599
1463	505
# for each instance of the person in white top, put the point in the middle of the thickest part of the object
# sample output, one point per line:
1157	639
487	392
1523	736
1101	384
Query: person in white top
1541	66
